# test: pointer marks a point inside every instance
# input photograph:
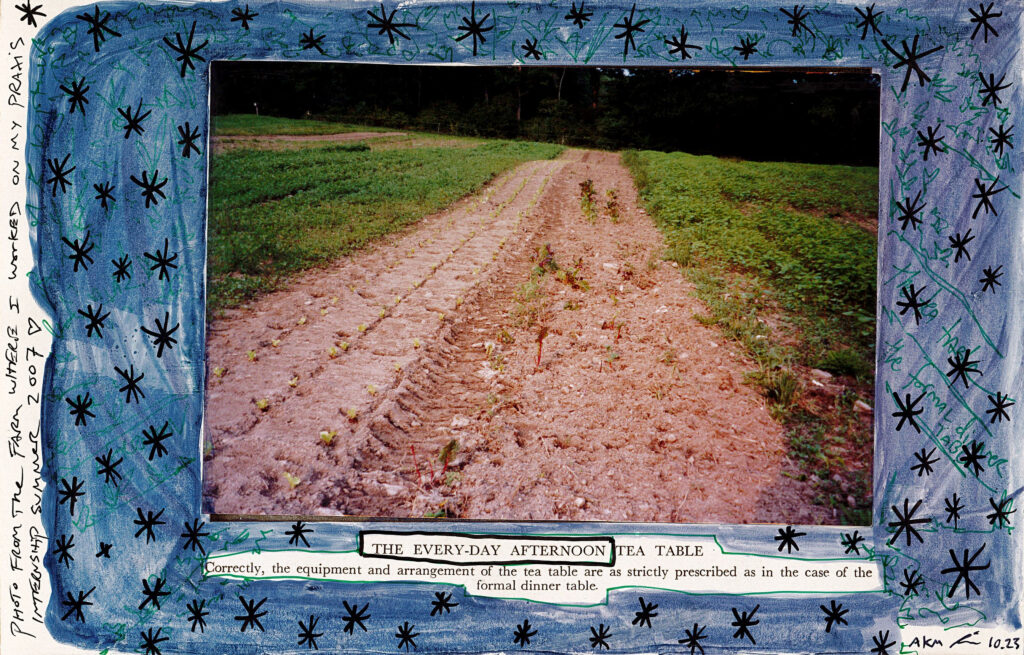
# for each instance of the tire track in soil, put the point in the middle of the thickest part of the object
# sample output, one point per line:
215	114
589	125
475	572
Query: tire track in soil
637	411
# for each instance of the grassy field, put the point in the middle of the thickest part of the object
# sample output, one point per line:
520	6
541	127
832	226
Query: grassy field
252	125
784	257
276	213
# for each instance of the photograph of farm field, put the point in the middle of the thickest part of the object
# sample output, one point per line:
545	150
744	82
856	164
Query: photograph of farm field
541	293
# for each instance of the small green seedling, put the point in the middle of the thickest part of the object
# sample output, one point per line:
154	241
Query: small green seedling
352	414
293	480
219	371
294	382
327	436
362	327
371	389
275	343
332	352
323	312
416	343
263	404
301	321
251	355
343	345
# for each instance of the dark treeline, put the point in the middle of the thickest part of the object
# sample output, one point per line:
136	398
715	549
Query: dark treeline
809	116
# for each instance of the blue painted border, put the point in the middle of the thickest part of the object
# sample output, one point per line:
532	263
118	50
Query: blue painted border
139	64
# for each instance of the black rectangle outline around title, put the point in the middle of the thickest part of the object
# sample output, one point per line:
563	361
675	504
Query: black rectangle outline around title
507	537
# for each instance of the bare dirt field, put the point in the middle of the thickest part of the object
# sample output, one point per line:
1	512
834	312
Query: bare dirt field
346	393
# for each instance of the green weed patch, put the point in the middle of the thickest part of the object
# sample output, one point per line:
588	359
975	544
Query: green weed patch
784	259
275	213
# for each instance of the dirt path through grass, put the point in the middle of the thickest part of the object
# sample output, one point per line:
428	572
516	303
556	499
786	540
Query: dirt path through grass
367	376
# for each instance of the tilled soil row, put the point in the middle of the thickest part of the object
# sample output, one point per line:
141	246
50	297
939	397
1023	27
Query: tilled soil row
295	379
509	358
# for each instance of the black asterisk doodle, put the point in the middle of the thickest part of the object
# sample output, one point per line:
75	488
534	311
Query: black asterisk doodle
982	18
162	334
991	279
76	605
522	634
474	28
912	302
95	320
108	469
530	47
787	538
924	462
386	24
251	618
80	408
70	493
973	456
953	508
354	617
405	636
962	365
963	569
151	640
80	252
442	604
104	550
747	47
680	44
869	22
121	272
882	643
960	244
646	613
151	595
163	262
744	621
298	531
693	637
76	95
905	522
796	19
104	193
907	412
131	387
98	27
63	550
243	17
197	613
151	188
834	615
912	581
306	634
984	196
911	58
188	138
309	41
186	51
133	120
600	636
192	534
999	404
578	17
910	209
1002	512
931	142
852	542
155	440
29	13
1001	139
990	89
628	28
147	523
60	174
